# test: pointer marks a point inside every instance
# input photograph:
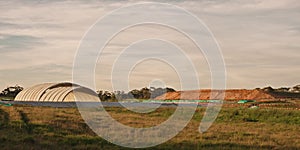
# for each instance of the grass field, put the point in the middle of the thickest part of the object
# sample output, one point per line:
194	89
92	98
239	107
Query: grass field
25	127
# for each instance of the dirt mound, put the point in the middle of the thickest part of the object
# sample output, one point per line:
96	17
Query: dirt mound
217	94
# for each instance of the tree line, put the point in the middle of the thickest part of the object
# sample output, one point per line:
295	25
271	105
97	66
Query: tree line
144	93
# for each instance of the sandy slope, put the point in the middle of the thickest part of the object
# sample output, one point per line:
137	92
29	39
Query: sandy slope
218	94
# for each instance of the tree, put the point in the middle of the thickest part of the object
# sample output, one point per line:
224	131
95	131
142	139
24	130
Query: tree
159	91
268	89
283	89
106	96
135	94
12	91
295	89
144	93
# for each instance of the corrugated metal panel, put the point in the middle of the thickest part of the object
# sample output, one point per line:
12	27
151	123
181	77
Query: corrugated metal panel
61	93
38	91
69	97
51	93
43	90
33	93
56	93
20	96
85	95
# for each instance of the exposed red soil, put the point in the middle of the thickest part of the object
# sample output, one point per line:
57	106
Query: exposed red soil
218	94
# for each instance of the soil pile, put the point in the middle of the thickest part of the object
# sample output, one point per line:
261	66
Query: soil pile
218	94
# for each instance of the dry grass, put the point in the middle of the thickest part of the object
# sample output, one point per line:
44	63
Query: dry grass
24	127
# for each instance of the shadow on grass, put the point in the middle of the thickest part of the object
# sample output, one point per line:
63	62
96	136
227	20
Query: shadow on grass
4	118
96	143
210	146
24	118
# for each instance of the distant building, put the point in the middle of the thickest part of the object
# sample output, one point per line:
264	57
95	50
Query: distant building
57	92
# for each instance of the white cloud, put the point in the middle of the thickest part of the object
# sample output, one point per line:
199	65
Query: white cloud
255	36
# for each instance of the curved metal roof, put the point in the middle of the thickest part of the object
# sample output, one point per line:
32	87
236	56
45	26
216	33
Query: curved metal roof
57	92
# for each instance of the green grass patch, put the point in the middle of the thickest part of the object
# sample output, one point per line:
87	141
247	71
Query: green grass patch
23	127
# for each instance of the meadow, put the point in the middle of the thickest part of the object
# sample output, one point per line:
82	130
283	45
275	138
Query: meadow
27	127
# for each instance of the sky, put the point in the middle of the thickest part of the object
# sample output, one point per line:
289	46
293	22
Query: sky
259	40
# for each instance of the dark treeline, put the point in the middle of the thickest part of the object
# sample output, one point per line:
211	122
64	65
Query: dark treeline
144	93
295	89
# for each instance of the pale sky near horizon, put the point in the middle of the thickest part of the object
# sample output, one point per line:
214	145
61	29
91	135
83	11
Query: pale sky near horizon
259	39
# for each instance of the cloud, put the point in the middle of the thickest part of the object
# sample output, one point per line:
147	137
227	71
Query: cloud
6	25
18	42
240	7
39	39
27	76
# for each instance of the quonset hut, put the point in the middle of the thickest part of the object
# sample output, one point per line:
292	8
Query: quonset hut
57	92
